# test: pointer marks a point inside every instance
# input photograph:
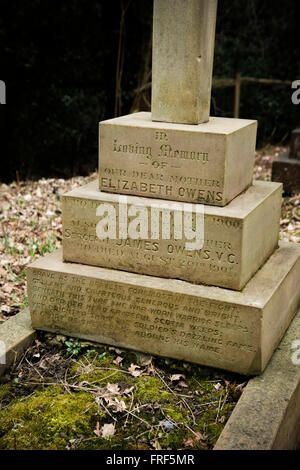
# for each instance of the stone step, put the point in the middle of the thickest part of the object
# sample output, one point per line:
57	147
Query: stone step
238	238
237	331
16	335
209	163
272	400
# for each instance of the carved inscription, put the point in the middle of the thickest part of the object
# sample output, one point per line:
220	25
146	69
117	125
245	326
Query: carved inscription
136	315
163	167
220	255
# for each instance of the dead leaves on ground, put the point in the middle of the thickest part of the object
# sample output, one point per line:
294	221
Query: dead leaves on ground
263	161
290	219
135	370
111	394
179	379
196	437
121	409
30	226
106	431
118	360
290	213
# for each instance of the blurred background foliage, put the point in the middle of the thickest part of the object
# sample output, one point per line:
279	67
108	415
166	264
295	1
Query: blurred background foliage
68	65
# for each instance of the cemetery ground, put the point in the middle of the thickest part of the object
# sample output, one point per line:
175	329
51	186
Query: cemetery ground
70	394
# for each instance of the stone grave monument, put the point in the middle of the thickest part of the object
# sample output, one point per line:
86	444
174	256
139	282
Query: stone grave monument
190	267
286	168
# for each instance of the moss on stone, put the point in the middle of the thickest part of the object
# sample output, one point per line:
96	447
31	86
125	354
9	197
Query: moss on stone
4	390
150	389
56	418
47	420
174	414
98	371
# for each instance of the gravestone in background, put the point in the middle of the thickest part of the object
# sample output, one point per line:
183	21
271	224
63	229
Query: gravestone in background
2	92
286	168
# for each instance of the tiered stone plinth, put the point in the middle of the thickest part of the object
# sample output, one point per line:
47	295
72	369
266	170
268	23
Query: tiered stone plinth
226	301
217	327
238	238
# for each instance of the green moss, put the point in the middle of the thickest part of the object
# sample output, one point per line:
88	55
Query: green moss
97	371
150	389
174	440
4	390
56	419
174	414
47	420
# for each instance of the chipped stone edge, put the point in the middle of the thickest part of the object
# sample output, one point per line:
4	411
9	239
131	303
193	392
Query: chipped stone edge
16	334
267	415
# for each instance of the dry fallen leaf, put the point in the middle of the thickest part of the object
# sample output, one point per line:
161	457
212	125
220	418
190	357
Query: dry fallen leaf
120	405
108	430
5	308
182	383
218	386
118	360
97	431
197	436
113	388
127	391
134	370
7	288
3	272
200	437
176	377
188	442
144	359
109	401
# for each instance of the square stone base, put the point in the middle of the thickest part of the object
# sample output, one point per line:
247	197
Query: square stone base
287	171
237	331
209	163
238	238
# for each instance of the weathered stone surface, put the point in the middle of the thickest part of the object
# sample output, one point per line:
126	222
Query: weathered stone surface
286	170
216	327
267	416
209	163
182	60
16	334
238	238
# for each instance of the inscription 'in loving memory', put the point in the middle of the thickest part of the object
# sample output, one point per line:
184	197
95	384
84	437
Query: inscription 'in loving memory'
159	156
165	150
